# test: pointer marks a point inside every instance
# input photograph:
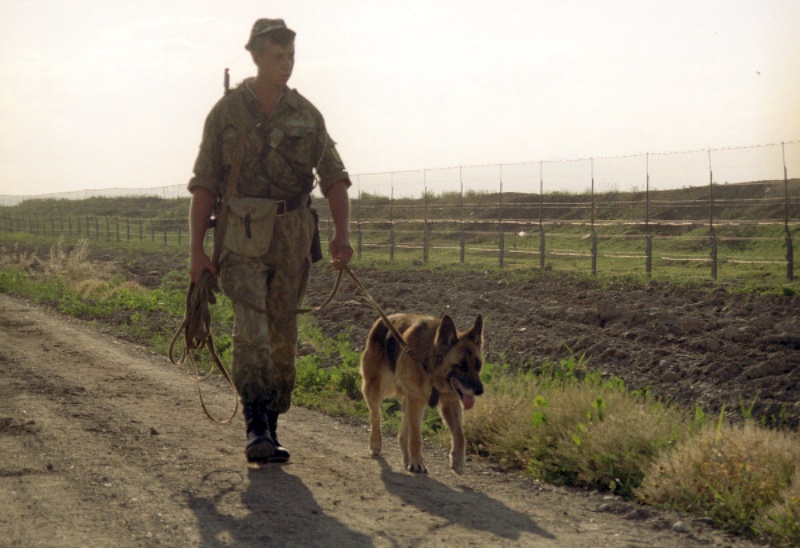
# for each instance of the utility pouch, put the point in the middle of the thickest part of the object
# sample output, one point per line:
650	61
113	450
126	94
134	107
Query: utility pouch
250	224
316	245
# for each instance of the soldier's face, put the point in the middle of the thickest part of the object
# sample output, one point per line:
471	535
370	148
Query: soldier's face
275	63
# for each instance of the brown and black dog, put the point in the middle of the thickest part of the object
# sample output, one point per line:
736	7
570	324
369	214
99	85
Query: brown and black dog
440	367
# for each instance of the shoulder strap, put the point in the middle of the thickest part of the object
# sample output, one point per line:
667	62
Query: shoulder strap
233	183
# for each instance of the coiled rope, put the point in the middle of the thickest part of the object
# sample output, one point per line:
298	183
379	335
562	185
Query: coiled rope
195	335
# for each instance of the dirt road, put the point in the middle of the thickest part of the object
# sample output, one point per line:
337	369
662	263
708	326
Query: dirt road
104	444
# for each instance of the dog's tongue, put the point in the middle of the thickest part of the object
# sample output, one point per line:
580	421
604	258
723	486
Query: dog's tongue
468	400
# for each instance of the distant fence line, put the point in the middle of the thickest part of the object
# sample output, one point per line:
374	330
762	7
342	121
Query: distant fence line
549	230
661	209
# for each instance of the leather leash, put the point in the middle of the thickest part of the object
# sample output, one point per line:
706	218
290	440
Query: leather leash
352	275
196	331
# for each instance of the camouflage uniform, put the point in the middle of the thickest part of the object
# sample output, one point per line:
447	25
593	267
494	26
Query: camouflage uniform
282	152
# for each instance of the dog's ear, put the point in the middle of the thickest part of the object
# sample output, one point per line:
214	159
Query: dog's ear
475	334
446	336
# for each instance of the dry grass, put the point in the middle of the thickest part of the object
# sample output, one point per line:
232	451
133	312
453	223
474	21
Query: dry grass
738	475
71	267
19	258
573	428
780	522
577	432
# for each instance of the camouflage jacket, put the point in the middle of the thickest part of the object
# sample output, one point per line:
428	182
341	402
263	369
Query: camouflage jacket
283	152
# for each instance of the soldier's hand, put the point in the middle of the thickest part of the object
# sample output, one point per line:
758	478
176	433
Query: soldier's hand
197	263
341	253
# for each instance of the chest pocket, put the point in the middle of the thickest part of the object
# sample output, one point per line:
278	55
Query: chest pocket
298	145
251	222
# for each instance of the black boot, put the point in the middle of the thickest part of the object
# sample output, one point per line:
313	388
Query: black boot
260	445
281	453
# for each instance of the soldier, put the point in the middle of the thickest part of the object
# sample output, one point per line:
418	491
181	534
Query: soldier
273	142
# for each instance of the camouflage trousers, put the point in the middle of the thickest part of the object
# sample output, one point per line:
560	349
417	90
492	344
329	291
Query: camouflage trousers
265	291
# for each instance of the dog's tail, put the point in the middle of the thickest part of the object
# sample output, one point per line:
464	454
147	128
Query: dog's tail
381	337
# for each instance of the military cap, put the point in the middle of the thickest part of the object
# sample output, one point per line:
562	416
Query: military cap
265	26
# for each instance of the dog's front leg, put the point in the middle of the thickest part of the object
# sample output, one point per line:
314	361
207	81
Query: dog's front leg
402	433
374	398
451	412
412	415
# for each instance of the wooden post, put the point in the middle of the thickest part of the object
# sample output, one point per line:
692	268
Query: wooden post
426	235
713	236
358	223
501	243
392	235
788	239
463	236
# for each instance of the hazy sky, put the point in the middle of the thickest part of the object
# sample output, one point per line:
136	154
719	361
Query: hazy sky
99	94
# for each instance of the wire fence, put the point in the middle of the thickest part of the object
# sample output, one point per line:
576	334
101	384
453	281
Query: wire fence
653	212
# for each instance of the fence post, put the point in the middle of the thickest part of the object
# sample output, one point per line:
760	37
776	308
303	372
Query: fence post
789	246
714	255
360	243
714	248
541	246
541	216
392	235
648	246
358	221
426	235
108	230
463	237
501	243
594	234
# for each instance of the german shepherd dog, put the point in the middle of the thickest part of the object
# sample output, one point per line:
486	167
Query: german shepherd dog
439	367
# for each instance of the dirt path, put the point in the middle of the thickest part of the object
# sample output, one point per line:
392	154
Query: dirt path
104	444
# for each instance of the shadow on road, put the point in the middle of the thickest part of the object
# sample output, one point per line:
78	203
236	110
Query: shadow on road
275	508
468	508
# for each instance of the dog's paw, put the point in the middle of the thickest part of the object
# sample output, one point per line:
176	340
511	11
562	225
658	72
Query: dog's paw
375	444
457	464
417	467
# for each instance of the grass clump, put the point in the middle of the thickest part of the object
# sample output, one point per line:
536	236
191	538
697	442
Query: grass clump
779	523
742	476
567	426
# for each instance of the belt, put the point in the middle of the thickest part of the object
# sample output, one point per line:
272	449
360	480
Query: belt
290	204
282	207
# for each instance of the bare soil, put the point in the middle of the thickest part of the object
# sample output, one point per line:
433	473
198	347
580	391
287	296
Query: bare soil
703	346
103	444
